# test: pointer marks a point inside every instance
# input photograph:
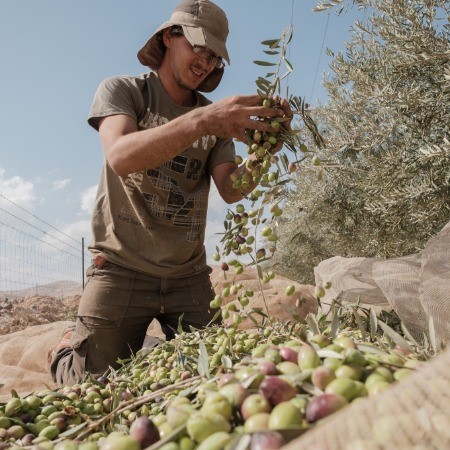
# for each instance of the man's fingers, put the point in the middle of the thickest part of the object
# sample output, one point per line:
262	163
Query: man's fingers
246	112
278	146
262	111
247	100
286	108
258	125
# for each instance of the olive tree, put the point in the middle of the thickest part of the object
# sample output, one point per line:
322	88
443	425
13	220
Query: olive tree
381	186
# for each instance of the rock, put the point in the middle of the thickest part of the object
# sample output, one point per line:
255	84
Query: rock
302	301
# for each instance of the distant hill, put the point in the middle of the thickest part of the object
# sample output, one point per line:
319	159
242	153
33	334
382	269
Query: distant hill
57	289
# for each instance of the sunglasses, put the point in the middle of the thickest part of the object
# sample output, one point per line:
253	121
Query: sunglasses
203	52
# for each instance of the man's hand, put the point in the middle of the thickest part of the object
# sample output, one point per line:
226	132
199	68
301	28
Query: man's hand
287	113
230	117
222	173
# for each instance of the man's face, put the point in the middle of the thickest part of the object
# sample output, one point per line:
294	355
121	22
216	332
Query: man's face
189	68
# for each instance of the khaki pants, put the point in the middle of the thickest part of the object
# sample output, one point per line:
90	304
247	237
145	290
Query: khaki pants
115	310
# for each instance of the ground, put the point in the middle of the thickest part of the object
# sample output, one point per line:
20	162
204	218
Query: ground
19	314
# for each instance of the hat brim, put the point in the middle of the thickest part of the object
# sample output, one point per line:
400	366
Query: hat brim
151	55
201	37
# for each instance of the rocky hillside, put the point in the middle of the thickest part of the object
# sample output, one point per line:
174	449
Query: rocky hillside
18	314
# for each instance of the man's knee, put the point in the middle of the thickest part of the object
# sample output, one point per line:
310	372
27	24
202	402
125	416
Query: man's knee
64	368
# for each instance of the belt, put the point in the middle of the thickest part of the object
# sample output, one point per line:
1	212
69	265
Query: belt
98	262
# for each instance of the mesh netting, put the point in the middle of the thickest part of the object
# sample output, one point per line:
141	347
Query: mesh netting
416	287
399	280
413	414
435	282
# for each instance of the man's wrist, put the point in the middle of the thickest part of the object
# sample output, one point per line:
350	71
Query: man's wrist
199	122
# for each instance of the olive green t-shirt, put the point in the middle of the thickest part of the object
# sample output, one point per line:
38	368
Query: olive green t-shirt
154	221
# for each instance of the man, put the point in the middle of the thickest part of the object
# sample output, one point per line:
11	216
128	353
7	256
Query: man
163	142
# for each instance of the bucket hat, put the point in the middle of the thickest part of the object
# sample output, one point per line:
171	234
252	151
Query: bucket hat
204	24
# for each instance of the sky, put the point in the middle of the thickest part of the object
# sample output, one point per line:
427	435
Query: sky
54	53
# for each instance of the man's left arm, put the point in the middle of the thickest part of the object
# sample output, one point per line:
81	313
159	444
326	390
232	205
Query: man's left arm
222	175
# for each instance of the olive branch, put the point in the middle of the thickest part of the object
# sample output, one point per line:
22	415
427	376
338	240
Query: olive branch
271	171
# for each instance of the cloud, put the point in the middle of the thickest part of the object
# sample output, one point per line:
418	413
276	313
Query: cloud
88	199
60	184
79	229
66	237
17	190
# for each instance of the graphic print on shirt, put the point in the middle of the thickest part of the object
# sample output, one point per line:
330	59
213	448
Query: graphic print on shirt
186	212
183	210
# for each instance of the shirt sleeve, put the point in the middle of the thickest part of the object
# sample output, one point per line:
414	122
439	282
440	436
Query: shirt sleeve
223	152
116	95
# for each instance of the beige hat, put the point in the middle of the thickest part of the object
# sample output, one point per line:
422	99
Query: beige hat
204	24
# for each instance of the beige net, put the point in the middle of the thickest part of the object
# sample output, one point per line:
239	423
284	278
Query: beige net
434	288
413	415
416	287
399	280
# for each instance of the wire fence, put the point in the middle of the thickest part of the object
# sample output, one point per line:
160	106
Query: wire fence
37	258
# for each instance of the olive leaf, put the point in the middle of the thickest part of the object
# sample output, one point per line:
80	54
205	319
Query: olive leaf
14	394
407	334
202	362
324	353
216	316
263	82
373	324
426	343
180	324
262	86
248	381
241	442
73	431
272	43
284	161
288	65
253	320
264	63
294	313
259	311
335	321
227	362
260	272
313	325
432	334
394	336
367	348
360	323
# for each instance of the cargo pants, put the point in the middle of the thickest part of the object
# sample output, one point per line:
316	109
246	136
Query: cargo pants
115	311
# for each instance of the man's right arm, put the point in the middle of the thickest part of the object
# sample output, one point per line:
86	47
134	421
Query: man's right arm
128	150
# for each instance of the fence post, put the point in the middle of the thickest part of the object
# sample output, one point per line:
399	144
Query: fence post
82	262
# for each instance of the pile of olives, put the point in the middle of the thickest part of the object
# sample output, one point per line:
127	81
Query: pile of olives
209	390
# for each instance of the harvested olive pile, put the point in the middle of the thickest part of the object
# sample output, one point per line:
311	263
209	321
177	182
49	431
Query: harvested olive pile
219	388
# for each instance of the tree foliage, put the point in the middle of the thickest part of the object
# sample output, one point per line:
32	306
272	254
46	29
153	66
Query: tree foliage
384	186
